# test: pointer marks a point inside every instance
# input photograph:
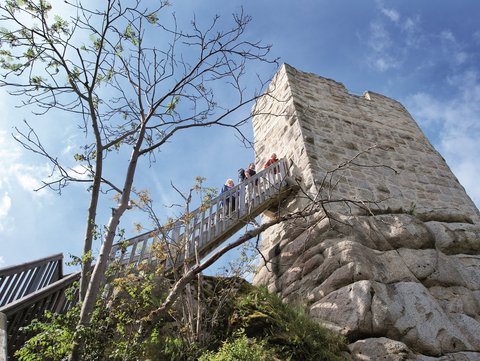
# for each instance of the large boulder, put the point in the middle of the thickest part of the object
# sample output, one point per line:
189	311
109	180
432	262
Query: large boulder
380	348
388	276
404	311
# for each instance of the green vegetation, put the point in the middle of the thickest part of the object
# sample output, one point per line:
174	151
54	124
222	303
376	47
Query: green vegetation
245	323
240	348
288	330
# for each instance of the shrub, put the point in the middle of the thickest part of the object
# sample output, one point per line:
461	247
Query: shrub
253	325
240	348
287	329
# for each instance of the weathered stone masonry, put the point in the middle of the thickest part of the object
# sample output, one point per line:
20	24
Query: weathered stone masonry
317	124
402	280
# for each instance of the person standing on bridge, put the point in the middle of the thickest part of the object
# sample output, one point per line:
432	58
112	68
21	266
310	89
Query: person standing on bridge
241	175
273	159
250	170
271	176
250	189
227	186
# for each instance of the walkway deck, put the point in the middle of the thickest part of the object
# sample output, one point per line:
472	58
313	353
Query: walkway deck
213	223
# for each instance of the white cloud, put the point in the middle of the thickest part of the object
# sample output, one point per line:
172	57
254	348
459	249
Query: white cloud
410	25
8	153
80	172
390	40
5	205
391	14
27	181
453	50
447	36
2	261
467	172
460	57
426	108
381	43
70	144
379	38
385	63
15	173
414	36
476	36
395	42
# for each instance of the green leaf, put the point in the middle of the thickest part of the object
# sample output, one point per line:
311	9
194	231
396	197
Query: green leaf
171	105
29	54
152	18
35	79
128	33
79	157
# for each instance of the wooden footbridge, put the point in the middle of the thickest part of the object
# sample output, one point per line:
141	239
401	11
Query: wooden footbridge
28	290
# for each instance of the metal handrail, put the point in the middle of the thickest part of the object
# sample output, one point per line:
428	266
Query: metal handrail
22	312
18	281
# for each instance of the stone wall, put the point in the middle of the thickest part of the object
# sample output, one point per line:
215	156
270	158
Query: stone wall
319	126
396	268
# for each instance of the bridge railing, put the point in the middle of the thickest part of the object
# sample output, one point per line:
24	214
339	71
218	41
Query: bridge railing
23	311
196	231
18	281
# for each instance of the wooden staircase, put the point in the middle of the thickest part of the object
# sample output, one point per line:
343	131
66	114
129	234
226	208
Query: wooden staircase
28	290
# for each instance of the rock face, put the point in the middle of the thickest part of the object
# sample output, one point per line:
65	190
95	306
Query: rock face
393	261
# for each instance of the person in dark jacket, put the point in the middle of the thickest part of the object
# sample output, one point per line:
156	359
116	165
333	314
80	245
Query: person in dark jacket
250	170
241	175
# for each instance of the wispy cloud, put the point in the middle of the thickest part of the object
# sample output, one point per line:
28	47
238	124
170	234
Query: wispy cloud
392	14
5	204
452	121
447	36
2	261
380	42
80	171
379	39
390	37
412	29
476	36
385	63
15	173
27	180
453	49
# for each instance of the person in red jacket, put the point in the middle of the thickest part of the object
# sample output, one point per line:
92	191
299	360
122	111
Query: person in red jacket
273	159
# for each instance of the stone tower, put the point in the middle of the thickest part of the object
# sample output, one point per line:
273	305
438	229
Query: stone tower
392	261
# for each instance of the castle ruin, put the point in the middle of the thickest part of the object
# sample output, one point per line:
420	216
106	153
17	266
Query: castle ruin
392	262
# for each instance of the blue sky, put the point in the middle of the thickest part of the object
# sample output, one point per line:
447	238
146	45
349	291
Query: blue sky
425	54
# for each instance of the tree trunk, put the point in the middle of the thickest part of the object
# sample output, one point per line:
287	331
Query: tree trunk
98	275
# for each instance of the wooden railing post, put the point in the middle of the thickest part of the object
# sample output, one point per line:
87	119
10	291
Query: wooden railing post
241	200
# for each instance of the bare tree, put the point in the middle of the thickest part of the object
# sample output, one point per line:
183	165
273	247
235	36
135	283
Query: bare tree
105	66
310	208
